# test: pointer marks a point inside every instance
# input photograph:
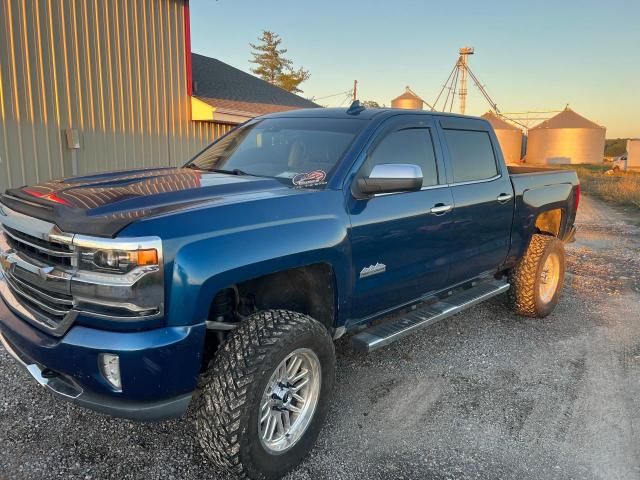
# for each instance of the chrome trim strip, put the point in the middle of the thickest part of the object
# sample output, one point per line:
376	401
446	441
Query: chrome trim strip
37	291
131	307
443	185
61	387
430	187
40	304
30	315
473	182
122	243
53	253
45	272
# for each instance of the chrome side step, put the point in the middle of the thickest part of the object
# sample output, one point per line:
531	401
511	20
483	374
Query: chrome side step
386	333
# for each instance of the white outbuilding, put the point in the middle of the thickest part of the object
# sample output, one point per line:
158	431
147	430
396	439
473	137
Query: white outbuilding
633	153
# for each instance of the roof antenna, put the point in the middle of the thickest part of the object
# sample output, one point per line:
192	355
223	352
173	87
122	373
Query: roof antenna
355	108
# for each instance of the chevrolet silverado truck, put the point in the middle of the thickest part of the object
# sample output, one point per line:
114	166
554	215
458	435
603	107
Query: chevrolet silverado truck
223	283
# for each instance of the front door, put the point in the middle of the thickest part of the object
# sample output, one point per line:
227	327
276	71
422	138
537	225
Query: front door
399	246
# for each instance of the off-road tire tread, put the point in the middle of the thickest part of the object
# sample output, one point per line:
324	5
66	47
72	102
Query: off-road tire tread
524	277
220	413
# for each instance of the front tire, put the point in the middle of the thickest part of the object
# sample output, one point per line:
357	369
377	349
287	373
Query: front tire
537	280
266	394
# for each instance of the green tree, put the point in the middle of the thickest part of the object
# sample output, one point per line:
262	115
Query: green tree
615	146
273	66
370	104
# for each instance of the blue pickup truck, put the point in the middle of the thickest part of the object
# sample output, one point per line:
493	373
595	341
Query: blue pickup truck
223	283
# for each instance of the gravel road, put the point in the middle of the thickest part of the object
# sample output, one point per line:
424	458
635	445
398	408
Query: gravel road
484	394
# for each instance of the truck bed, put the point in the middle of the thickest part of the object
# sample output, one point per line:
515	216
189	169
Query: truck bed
540	189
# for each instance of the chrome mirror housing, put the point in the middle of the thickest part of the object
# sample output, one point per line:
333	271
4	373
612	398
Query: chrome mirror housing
391	178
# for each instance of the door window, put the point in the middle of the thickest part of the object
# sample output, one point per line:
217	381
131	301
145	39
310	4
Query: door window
412	146
471	155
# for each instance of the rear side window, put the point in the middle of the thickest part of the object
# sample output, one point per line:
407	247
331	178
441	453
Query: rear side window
413	146
471	155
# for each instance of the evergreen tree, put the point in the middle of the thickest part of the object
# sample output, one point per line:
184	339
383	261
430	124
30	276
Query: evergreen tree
273	66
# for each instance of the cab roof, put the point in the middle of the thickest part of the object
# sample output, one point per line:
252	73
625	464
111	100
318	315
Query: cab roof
364	114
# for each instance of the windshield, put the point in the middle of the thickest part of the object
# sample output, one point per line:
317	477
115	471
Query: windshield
298	151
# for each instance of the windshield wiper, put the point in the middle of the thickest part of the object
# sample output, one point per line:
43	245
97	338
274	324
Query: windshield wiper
235	171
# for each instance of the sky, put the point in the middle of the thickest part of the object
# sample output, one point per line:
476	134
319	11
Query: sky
530	56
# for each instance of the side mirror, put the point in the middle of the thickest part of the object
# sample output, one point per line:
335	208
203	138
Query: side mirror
391	178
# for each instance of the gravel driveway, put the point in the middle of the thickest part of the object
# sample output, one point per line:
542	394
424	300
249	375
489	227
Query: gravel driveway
484	394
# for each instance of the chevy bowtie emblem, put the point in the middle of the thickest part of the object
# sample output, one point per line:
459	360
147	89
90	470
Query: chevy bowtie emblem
44	271
373	270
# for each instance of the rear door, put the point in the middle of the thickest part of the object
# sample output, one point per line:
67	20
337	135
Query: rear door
399	246
482	196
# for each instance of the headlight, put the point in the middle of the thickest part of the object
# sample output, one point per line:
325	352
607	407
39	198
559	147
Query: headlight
117	261
119	278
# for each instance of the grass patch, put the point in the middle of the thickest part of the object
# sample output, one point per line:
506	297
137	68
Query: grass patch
621	188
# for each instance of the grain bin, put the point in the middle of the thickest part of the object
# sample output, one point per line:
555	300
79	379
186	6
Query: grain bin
509	137
633	153
408	100
566	138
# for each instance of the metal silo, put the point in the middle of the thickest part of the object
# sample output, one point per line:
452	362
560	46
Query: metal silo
509	137
633	153
408	100
566	138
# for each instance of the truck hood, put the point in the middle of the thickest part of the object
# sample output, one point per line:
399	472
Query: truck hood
104	204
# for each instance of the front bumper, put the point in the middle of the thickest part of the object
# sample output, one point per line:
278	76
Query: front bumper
159	367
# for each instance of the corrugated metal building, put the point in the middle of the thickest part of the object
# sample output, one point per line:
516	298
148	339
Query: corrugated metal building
95	85
116	73
509	137
566	138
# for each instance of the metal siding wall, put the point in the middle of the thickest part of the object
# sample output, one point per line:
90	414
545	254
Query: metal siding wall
112	69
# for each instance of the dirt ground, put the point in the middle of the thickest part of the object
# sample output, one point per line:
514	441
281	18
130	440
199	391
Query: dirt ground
484	394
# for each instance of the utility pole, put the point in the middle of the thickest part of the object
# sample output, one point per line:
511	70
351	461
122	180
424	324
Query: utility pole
462	68
355	90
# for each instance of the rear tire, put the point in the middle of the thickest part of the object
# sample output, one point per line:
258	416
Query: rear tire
232	403
537	280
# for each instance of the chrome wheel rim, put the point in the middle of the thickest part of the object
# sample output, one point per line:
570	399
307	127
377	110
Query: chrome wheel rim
289	400
549	278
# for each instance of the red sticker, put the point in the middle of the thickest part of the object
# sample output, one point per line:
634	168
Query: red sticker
311	178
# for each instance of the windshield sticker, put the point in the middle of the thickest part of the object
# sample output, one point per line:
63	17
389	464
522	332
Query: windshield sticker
310	178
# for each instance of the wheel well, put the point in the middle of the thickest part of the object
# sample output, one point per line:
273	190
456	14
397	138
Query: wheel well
309	290
549	222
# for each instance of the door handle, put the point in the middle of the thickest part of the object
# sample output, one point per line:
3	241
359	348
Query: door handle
440	208
504	197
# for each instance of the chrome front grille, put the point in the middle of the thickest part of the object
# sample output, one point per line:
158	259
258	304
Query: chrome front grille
52	307
37	267
48	252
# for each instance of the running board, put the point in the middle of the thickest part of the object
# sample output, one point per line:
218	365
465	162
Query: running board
386	333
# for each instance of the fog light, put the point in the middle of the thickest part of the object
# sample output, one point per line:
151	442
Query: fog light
110	369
